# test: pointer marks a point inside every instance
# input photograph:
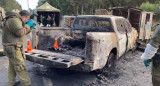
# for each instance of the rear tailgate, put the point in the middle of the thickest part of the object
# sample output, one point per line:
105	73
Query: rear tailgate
52	59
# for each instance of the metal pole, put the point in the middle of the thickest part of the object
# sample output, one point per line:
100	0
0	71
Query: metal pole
28	4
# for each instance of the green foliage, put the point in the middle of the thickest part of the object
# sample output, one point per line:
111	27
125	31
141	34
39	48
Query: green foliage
8	5
41	2
149	6
31	10
78	7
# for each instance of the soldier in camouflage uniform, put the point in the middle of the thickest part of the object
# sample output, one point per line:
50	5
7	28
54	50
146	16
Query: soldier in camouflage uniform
150	54
13	38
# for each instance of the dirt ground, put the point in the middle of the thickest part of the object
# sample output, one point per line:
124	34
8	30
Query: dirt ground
129	71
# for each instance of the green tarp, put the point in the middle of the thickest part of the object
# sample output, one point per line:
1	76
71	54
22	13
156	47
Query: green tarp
47	7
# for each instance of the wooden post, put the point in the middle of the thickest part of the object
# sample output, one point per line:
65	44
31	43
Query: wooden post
129	12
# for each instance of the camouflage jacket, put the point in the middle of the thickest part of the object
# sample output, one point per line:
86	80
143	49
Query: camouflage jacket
155	40
14	29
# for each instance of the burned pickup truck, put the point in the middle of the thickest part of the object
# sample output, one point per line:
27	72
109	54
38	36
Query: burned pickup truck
94	42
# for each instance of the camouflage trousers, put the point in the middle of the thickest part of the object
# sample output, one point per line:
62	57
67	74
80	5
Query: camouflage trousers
156	76
16	66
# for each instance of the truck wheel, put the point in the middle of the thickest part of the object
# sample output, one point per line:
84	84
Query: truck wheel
135	47
110	65
111	62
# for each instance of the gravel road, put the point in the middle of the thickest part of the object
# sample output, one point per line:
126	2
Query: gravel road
129	71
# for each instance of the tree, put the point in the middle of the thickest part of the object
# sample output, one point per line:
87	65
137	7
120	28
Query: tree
8	5
149	6
77	7
40	2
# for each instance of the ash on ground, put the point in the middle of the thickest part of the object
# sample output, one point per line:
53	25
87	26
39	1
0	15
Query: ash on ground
129	71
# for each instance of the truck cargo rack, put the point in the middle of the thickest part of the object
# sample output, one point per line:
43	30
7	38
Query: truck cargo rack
52	59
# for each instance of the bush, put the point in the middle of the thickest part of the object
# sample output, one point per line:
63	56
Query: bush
149	7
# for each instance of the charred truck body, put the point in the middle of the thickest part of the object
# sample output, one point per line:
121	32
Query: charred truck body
94	42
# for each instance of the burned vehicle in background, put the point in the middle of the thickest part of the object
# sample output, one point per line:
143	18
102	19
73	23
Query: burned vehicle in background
140	19
94	42
67	21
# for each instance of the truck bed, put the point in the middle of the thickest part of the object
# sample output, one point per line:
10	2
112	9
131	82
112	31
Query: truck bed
52	59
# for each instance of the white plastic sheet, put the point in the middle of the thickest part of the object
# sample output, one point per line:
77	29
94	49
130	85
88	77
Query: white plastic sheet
149	52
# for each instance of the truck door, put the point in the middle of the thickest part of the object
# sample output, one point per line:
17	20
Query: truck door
131	35
121	35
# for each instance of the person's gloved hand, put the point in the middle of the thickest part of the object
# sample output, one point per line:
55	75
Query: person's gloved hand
146	63
31	24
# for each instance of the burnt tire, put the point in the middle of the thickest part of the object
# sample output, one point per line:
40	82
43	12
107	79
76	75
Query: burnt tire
110	65
111	61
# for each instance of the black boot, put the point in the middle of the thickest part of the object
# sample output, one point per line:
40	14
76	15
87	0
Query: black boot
17	83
